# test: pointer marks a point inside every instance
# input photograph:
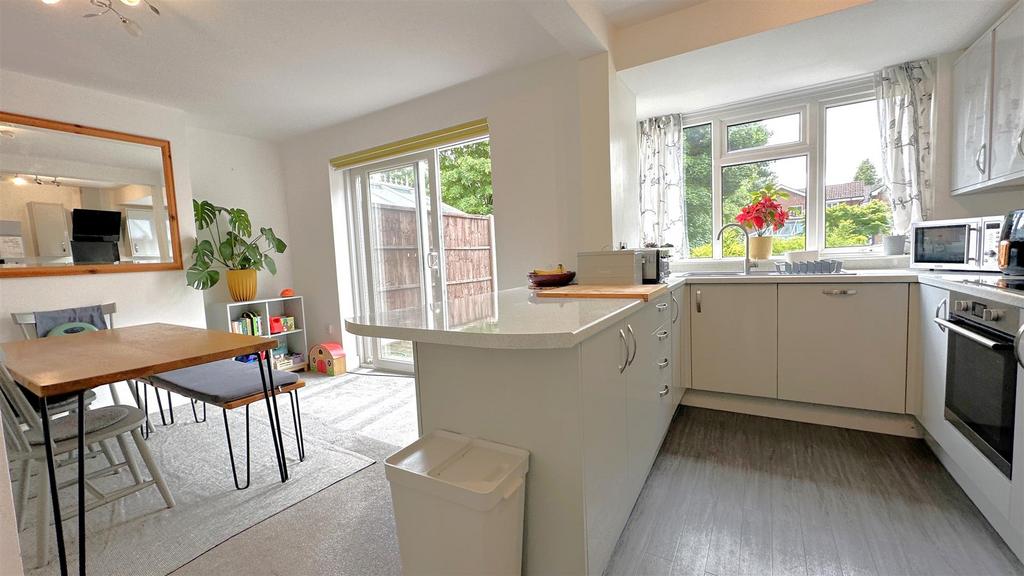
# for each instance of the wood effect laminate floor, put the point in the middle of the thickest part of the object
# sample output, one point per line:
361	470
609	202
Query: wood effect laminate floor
731	494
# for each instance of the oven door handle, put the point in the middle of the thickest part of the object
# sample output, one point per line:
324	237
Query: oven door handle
986	342
1016	346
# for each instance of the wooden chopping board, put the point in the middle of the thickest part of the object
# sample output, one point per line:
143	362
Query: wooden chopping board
643	292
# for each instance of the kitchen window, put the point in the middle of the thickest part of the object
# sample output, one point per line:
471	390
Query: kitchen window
820	146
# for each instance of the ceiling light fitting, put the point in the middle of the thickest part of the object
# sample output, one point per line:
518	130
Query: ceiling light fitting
107	7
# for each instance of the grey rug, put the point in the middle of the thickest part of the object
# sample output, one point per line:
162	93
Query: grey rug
137	535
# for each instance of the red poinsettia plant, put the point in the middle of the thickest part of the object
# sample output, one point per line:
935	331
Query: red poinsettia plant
765	213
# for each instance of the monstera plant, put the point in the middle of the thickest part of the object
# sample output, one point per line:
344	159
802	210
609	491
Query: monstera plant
231	244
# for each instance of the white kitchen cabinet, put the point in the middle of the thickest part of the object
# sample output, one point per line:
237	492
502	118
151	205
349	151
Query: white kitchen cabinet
648	379
933	343
605	452
972	81
734	338
627	408
844	345
678	343
1007	149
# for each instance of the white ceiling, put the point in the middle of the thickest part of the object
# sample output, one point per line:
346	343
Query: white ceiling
272	69
852	42
623	13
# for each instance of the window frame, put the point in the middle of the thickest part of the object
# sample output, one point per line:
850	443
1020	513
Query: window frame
812	105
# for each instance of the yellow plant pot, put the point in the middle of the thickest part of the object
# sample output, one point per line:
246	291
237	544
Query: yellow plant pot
242	285
760	247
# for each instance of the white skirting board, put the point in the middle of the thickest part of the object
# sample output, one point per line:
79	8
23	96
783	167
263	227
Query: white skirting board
881	422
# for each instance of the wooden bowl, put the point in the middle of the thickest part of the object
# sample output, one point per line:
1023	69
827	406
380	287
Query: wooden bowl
551	280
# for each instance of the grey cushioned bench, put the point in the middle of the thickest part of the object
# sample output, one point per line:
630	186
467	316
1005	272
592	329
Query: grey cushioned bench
229	384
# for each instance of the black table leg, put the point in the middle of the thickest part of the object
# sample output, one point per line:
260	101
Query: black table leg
275	428
81	483
54	497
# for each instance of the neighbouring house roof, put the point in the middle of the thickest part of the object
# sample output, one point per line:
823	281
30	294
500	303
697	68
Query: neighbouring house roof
844	192
400	196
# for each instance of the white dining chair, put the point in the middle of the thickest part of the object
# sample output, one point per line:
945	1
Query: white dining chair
26	449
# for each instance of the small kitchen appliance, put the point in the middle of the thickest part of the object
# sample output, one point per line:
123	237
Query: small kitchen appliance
1011	244
655	265
610	267
968	244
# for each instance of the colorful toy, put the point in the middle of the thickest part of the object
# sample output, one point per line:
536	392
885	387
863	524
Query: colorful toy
327	358
276	326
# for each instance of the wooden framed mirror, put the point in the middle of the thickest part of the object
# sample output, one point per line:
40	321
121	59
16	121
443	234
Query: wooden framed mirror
81	200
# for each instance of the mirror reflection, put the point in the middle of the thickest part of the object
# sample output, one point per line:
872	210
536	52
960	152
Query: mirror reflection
69	199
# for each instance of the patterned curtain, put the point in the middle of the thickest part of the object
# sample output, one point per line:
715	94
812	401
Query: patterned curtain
904	94
662	205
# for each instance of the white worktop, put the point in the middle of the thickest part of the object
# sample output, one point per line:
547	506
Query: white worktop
517	319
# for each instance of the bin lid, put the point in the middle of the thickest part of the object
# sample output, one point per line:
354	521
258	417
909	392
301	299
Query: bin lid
461	469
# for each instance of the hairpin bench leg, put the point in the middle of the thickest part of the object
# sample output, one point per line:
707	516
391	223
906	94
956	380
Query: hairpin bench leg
267	377
195	414
300	441
231	452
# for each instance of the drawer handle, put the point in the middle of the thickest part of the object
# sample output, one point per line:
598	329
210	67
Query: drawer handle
662	335
663	392
663	363
843	292
662	306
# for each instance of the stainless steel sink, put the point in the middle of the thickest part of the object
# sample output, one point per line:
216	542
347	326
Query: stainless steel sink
713	274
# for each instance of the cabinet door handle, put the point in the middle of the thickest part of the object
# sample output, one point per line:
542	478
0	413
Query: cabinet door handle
843	292
663	363
625	348
675	316
662	306
698	301
663	392
662	335
1016	346
1020	143
632	337
978	160
940	312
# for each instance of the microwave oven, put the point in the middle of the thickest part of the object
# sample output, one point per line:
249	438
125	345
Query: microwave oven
969	244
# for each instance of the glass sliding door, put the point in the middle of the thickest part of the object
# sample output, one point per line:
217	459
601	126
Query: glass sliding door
402	268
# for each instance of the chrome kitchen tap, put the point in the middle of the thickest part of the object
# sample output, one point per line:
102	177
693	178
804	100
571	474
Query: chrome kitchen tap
746	244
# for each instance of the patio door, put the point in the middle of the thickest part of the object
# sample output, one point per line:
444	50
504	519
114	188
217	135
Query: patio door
402	271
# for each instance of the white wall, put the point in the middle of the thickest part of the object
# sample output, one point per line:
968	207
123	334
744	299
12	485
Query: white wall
625	163
535	155
239	172
142	296
946	205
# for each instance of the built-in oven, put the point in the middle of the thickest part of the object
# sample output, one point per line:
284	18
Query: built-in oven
981	374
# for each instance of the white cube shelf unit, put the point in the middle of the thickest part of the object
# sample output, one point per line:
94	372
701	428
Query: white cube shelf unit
220	315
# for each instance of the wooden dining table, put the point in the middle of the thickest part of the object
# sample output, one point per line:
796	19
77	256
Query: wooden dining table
72	364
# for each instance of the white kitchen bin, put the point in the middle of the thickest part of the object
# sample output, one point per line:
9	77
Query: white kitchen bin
458	505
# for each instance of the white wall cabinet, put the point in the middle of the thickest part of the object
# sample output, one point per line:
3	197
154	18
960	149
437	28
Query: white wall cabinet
734	338
1008	96
988	108
844	345
972	81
